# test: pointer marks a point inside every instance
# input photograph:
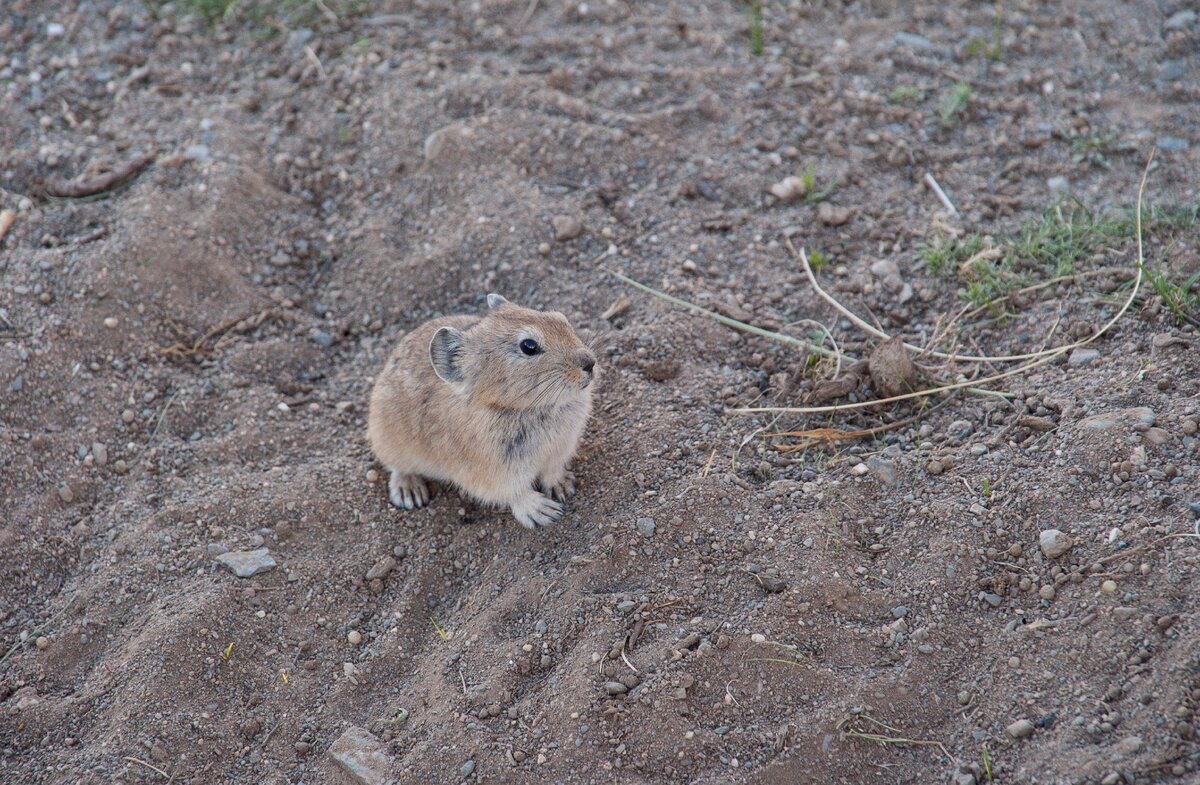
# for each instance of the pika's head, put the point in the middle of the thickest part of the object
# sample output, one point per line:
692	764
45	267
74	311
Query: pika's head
515	358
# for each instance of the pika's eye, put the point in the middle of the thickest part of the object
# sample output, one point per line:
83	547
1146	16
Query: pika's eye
530	347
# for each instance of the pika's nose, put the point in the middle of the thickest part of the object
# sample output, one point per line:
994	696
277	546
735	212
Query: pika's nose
587	363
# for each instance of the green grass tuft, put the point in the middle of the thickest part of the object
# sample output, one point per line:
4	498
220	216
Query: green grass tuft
1056	244
906	95
943	256
953	103
756	26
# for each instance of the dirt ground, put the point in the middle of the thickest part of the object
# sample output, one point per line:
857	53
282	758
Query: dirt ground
185	361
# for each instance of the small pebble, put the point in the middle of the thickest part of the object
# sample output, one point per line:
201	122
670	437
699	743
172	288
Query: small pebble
566	227
355	637
645	527
42	642
66	494
1020	729
467	769
1109	587
1054	543
111	322
372	476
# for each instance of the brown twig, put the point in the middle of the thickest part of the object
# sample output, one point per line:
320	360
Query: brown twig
1138	549
818	436
90	186
182	350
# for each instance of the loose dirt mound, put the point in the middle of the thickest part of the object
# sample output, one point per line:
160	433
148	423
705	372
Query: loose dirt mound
185	364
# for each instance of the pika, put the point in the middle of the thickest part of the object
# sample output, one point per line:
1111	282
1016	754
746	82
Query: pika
495	404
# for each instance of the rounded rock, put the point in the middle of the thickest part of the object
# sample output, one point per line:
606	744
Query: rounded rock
355	637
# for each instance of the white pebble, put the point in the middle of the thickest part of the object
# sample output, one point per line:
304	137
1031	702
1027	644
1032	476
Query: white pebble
110	322
758	637
42	642
355	637
1109	587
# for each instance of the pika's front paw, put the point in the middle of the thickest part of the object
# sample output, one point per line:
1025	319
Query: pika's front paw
534	510
559	491
408	491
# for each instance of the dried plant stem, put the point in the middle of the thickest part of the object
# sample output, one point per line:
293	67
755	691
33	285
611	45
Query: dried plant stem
1041	360
725	320
983	358
150	766
940	194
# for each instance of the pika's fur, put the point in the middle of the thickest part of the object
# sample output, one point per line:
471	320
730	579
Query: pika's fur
493	404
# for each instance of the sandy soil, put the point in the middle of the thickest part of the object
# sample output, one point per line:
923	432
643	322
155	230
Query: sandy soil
185	361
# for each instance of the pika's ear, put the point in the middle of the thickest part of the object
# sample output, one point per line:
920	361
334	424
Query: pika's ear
445	352
495	301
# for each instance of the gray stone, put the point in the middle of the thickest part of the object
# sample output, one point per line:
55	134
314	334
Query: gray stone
246	563
1020	729
993	600
964	778
912	41
322	339
1137	416
615	688
1172	70
447	143
1081	358
882	470
1054	543
381	568
566	227
198	153
1058	184
900	611
645	527
467	769
1181	20
1173	144
1130	745
362	756
99	453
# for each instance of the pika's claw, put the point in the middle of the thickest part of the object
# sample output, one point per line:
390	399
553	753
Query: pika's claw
559	491
407	491
534	510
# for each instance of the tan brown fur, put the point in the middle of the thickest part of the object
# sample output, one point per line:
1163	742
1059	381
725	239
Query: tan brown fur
460	402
